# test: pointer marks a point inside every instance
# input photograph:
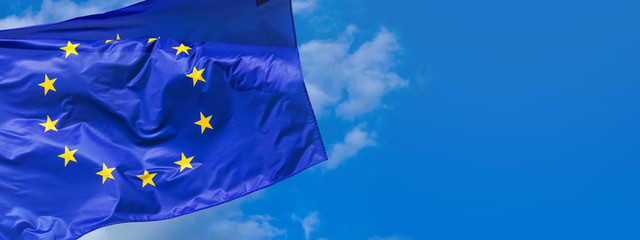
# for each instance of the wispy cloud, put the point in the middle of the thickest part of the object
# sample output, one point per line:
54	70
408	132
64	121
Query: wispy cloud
256	227
304	6
203	226
353	142
309	223
351	83
53	11
348	81
226	221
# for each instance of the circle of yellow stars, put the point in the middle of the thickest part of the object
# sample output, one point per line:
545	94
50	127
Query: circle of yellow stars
107	173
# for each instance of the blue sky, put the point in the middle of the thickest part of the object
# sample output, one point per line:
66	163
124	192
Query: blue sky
444	120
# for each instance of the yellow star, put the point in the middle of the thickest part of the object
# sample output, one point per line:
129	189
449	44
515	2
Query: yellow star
50	125
196	75
204	122
106	173
184	162
48	84
182	48
70	48
68	155
147	178
152	39
117	38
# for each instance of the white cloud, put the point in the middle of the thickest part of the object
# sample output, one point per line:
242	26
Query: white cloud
394	237
257	227
350	83
304	6
354	141
309	223
53	11
226	221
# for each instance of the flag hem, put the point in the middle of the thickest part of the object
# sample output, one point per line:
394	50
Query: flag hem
200	209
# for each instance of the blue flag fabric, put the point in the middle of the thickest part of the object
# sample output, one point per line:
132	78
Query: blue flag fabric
96	131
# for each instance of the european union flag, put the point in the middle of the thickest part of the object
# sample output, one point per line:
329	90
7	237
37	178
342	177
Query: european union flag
146	113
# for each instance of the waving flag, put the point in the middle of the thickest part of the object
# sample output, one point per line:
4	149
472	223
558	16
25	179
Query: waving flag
146	113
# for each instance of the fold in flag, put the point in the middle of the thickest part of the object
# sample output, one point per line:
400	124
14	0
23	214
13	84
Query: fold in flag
150	112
